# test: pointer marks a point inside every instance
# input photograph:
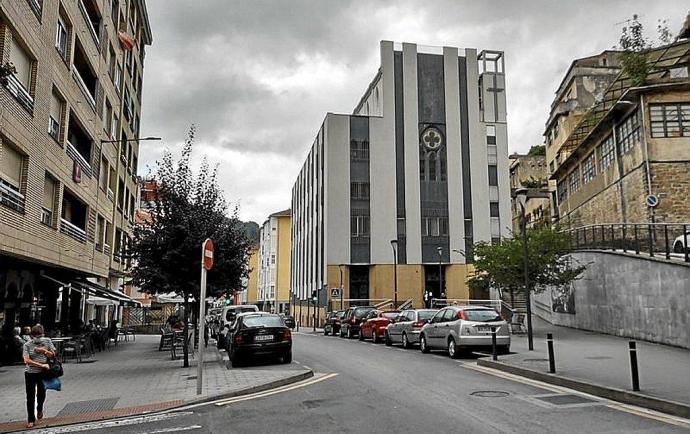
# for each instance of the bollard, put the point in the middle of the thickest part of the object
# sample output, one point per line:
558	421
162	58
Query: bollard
494	354
552	360
632	345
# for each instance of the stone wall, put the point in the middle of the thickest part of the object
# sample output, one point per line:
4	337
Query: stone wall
627	296
671	181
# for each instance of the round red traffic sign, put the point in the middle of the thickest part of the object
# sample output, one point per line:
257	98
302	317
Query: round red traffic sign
208	254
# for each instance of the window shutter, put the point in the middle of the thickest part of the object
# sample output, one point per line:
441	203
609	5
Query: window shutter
91	232
11	163
104	43
49	193
22	64
99	100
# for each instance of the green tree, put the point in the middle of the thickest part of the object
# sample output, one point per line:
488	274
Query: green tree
549	263
635	45
537	150
187	209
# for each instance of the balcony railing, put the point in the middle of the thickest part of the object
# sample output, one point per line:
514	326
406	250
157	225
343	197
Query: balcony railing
53	128
89	24
106	249
47	217
10	197
16	88
85	90
35	7
76	156
72	230
111	195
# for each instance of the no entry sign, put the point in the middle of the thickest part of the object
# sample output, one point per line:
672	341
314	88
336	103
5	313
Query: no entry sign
208	254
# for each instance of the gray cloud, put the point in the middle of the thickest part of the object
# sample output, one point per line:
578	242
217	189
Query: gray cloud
258	77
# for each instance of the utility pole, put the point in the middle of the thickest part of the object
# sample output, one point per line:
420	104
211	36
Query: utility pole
394	245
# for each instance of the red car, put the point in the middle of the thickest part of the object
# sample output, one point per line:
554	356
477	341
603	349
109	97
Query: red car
374	324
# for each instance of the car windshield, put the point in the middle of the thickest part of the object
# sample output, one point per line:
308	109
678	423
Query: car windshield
263	321
482	315
232	314
425	315
361	311
390	315
340	314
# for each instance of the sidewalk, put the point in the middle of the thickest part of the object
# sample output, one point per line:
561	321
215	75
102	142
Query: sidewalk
604	360
132	378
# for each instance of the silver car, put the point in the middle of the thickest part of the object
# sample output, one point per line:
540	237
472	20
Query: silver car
458	328
406	327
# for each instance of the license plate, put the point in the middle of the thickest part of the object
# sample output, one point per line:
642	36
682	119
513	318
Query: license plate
263	338
484	328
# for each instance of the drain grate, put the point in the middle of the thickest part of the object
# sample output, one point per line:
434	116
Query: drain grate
489	393
565	399
81	407
599	358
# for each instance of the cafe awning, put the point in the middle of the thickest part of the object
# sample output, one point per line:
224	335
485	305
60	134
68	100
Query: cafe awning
107	293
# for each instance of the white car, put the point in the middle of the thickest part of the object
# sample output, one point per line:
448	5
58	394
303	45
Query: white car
679	245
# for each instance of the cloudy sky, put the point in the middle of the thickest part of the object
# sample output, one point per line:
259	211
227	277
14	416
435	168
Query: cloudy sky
258	77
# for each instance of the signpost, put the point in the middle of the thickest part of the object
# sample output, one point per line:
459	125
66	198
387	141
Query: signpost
206	264
652	200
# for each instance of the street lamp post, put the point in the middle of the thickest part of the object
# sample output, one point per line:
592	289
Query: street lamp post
394	245
521	196
440	271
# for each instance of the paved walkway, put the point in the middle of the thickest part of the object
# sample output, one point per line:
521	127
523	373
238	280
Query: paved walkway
604	360
132	378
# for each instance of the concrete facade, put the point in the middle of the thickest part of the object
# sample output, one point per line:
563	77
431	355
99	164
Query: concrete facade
273	263
628	296
423	159
68	177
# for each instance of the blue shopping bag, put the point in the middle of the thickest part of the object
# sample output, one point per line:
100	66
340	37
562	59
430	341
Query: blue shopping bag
52	383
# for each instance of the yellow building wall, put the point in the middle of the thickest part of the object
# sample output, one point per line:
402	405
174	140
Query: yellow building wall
283	259
253	280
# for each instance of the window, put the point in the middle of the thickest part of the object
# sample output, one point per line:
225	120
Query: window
606	153
490	134
422	169
359	190
114	127
11	167
116	77
61	37
493	209
359	224
49	189
359	150
84	74
562	191
434	226
22	63
100	233
114	9
57	110
444	169
574	180
670	120
628	133
108	116
121	195
431	157
589	169
103	175
112	63
493	175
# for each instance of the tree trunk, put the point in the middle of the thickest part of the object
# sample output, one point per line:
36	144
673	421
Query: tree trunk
185	331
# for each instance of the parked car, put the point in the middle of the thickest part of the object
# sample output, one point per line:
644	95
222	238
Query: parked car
227	319
374	324
679	245
258	333
349	325
406	327
332	324
458	328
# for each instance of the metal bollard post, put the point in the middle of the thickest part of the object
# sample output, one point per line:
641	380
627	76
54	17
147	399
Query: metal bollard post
552	359
494	354
633	366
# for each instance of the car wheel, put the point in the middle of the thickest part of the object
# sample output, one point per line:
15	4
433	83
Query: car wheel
235	361
678	247
361	335
287	357
405	342
503	349
325	332
453	351
374	338
387	339
422	344
350	335
342	335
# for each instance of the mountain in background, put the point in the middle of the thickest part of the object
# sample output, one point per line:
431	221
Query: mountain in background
252	231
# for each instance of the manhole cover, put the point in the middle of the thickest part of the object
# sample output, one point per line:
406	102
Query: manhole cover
598	358
81	407
565	399
489	393
535	360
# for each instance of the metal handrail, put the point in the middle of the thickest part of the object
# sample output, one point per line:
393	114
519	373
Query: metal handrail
80	81
75	155
16	88
72	230
11	197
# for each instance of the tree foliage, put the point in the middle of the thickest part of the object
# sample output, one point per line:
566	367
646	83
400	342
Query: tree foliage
634	45
549	263
537	150
188	209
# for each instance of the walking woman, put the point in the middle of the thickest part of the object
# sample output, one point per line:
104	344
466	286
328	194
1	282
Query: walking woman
36	354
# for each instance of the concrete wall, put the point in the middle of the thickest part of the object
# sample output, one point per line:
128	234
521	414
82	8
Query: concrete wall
628	296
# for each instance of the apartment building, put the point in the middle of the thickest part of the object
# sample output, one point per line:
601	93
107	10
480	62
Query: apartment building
69	121
631	144
530	171
422	161
273	268
250	294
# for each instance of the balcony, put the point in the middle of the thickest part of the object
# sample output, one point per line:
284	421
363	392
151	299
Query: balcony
47	217
11	197
111	195
72	230
81	161
106	249
84	88
93	21
16	88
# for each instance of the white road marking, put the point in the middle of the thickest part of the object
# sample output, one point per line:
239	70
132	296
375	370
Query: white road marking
175	429
272	392
306	367
113	423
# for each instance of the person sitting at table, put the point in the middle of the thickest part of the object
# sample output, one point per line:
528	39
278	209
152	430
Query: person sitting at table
26	334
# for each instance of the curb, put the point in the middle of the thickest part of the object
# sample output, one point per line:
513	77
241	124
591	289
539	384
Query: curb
624	396
178	404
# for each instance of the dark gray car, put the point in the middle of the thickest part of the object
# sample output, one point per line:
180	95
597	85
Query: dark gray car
407	326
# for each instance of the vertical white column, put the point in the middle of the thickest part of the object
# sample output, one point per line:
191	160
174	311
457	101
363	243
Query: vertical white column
411	116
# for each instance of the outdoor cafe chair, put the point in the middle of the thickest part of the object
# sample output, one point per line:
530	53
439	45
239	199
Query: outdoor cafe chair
72	348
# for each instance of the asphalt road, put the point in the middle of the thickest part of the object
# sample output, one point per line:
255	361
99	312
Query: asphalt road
381	389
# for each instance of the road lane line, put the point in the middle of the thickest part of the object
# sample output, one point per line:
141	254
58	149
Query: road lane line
273	392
